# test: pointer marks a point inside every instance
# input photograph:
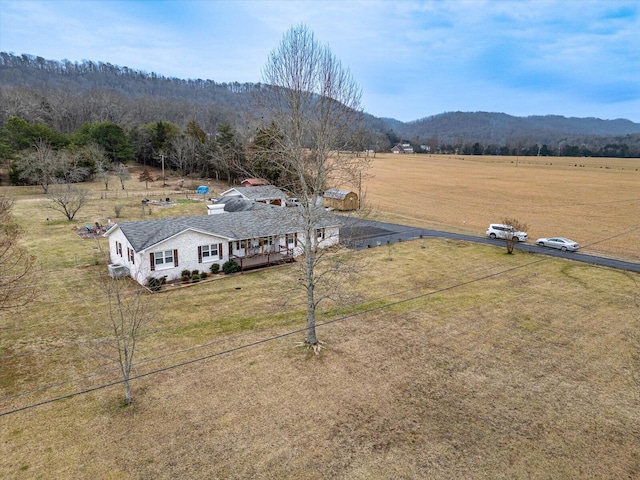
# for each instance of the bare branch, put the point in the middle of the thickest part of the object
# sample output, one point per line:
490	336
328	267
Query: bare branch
314	106
67	199
17	281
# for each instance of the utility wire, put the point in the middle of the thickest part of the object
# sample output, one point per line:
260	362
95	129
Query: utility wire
148	360
262	341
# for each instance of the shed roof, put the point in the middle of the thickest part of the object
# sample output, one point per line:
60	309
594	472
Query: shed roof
254	182
337	194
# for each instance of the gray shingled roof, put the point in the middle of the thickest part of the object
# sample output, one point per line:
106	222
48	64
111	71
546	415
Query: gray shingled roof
233	226
262	192
238	204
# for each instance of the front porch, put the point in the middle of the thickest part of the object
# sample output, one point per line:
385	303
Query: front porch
264	259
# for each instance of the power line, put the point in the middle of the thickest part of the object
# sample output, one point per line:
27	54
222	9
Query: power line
262	341
271	338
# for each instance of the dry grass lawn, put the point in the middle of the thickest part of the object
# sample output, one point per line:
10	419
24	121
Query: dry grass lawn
453	360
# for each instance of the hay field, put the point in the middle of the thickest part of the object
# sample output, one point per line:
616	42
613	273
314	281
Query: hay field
453	360
595	202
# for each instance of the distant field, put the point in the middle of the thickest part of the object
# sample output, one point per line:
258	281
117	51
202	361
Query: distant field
595	202
452	360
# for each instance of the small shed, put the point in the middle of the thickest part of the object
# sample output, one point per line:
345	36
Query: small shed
340	199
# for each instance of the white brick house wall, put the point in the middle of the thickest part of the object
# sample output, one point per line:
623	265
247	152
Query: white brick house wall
182	248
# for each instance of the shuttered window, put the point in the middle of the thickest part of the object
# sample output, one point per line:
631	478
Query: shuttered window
164	259
209	253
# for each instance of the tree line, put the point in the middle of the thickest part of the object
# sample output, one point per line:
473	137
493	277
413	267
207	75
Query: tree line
563	149
39	155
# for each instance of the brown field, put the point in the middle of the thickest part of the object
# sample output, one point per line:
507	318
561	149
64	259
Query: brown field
595	202
455	360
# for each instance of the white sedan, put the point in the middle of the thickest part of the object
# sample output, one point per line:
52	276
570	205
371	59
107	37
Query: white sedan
560	243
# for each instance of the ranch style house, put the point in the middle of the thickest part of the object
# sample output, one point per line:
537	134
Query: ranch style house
259	236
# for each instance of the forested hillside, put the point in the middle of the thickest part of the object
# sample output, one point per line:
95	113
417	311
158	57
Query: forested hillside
65	95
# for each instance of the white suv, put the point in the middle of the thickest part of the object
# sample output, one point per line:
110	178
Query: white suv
497	230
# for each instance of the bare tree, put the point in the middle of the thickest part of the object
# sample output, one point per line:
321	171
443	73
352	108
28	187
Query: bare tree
226	154
122	172
71	166
184	154
95	155
67	199
315	105
129	310
511	238
102	174
17	284
39	166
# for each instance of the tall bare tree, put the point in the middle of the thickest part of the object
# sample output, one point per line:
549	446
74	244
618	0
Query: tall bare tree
129	310
183	155
314	104
17	284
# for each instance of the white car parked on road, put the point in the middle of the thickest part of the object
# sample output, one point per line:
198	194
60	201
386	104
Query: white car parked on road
497	230
560	243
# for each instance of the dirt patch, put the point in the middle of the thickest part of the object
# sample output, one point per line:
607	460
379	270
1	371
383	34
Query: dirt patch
89	233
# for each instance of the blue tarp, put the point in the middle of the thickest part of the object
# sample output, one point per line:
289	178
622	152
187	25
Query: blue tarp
203	190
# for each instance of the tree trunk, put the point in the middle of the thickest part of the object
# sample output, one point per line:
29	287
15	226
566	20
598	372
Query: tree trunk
127	392
311	303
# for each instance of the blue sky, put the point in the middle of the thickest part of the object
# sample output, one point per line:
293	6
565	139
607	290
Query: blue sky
412	59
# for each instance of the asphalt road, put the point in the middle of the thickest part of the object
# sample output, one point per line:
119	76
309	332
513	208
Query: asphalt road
362	234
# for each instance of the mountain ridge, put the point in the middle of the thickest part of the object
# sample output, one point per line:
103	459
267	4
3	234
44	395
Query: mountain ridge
65	94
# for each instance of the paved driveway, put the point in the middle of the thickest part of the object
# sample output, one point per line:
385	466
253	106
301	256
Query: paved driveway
361	234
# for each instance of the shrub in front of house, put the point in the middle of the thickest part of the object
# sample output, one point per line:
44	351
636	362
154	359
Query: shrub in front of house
230	266
215	268
203	275
195	272
185	276
155	284
195	278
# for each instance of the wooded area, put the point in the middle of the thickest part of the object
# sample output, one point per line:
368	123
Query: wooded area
95	116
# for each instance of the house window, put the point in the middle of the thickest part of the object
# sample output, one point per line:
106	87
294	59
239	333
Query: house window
209	252
131	255
163	259
119	248
320	233
291	240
